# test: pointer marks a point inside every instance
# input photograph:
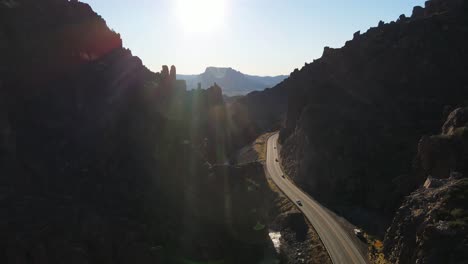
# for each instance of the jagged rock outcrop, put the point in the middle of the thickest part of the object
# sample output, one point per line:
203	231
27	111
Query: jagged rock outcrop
455	121
440	155
165	72
172	90
432	224
215	94
173	74
418	12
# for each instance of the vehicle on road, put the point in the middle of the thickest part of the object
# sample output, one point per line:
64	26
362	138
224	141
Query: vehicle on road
342	246
359	234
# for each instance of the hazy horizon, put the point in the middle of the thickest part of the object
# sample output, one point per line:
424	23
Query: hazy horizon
265	38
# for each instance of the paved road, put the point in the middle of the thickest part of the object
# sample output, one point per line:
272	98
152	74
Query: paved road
339	245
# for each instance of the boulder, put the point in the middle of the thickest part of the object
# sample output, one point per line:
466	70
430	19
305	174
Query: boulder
432	183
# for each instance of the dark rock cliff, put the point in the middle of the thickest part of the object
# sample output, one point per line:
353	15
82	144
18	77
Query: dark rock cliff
355	114
104	161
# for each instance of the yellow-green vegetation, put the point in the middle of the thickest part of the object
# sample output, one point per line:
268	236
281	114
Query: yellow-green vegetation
457	212
376	254
458	216
260	146
379	259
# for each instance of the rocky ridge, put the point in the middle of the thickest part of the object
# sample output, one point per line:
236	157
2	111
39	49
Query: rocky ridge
355	114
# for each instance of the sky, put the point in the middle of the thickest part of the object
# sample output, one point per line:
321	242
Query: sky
261	37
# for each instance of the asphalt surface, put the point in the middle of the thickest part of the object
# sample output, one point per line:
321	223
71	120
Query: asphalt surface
340	247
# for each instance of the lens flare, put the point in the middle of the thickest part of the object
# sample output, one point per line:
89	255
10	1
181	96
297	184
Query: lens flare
201	16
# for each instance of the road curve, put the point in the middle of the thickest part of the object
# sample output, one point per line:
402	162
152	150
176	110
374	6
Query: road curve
339	245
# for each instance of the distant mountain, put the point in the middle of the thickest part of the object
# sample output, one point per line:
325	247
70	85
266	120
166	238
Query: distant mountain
231	81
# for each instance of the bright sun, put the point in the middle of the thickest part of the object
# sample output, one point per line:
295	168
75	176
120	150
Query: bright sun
201	16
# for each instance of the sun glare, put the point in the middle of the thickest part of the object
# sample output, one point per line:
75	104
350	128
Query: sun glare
201	16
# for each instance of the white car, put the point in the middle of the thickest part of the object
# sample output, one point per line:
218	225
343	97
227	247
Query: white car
359	234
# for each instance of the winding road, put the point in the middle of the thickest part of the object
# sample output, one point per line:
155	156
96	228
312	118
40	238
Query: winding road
340	247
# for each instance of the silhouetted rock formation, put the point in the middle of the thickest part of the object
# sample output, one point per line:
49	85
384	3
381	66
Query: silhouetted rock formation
171	87
215	95
165	72
173	74
104	161
418	12
71	30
